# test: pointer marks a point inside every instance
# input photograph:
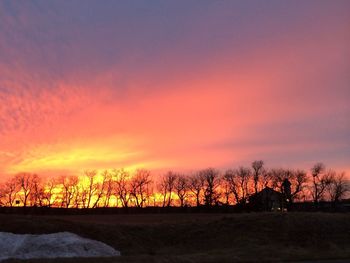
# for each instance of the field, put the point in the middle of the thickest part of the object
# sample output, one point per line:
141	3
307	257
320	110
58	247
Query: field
201	237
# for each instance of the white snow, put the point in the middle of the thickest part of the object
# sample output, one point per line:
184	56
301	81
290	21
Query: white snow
55	245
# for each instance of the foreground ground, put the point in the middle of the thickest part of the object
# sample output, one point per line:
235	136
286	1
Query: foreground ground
201	237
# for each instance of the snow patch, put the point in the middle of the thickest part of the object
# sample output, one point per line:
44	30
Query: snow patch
55	245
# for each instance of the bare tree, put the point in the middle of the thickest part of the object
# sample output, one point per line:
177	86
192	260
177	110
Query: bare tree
230	178
265	179
49	196
211	183
27	183
196	184
258	170
243	176
69	192
82	196
109	185
226	188
101	187
91	187
278	175
297	179
204	187
163	189
321	181
139	186
122	186
37	194
9	191
338	186
2	195
181	188
167	186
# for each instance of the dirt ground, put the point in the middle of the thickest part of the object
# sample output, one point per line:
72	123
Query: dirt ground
250	237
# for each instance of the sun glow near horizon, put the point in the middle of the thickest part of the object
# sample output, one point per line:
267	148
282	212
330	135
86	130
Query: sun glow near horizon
173	85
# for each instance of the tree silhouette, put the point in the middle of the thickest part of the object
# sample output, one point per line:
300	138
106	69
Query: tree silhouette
258	170
243	176
9	192
231	179
206	187
140	186
211	183
320	181
196	184
167	186
26	182
298	180
181	188
48	196
338	186
69	190
121	186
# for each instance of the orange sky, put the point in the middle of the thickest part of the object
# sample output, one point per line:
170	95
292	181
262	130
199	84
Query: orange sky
173	86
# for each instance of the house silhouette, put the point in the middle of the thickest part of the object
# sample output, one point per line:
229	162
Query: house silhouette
267	200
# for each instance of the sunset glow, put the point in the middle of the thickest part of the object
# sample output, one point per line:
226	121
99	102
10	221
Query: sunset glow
173	85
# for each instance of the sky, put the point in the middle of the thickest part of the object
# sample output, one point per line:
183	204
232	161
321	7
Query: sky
179	85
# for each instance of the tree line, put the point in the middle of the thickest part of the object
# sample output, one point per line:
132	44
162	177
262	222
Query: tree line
208	187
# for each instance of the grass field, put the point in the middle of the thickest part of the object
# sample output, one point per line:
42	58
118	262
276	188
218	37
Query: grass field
201	237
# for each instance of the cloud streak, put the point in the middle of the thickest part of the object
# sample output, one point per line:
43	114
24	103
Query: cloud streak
173	85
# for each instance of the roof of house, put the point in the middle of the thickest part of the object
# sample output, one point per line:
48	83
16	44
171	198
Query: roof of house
266	191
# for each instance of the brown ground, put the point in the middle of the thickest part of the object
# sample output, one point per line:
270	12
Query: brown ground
201	237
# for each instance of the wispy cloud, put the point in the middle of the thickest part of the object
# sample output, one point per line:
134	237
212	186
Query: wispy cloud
172	85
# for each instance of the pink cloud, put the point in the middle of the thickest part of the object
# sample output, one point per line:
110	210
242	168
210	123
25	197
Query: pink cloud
283	97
